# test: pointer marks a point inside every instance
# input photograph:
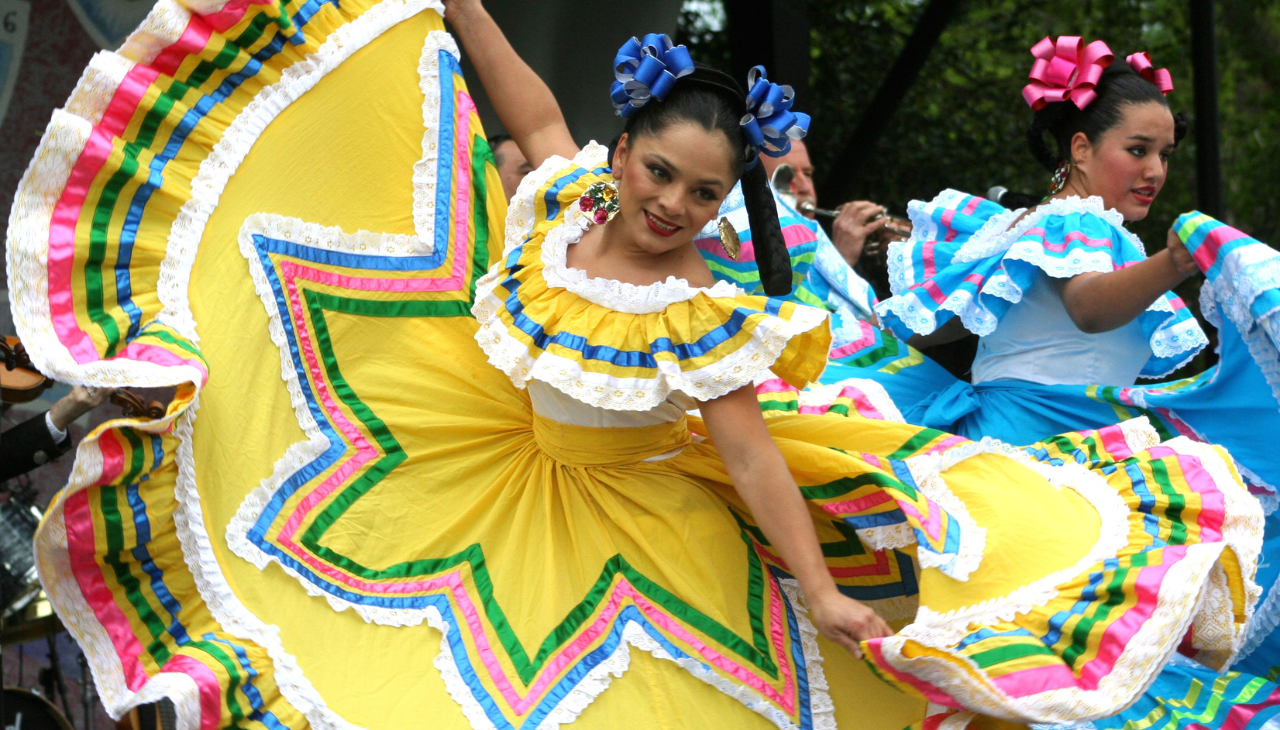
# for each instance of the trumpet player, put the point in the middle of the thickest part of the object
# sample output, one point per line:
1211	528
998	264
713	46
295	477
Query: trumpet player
855	221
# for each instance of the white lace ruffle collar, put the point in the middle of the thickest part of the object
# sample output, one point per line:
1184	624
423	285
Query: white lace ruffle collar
996	236
616	295
1000	236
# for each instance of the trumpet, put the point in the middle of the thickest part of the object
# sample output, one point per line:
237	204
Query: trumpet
805	206
896	226
781	182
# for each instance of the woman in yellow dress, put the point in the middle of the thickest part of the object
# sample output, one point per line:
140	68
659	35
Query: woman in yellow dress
546	503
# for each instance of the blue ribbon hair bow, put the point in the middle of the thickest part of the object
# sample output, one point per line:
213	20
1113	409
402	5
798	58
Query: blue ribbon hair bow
646	70
770	125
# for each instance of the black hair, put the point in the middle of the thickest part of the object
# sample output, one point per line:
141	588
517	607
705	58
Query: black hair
1119	87
716	102
711	99
495	141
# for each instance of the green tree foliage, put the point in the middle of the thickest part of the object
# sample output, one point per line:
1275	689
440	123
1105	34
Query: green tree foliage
1249	33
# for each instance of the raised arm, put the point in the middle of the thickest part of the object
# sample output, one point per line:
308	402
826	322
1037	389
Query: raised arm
523	102
1100	302
761	478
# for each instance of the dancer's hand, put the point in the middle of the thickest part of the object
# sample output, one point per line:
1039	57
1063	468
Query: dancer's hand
455	9
1182	259
846	621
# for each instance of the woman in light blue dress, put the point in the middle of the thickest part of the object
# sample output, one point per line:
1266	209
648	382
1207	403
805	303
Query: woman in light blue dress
1072	312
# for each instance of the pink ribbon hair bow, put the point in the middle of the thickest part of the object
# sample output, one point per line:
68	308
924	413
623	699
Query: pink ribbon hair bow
1066	70
1141	63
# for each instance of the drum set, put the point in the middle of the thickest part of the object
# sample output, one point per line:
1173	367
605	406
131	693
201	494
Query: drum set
26	616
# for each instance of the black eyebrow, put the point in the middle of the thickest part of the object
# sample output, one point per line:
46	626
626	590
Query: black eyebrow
674	170
664	161
1145	138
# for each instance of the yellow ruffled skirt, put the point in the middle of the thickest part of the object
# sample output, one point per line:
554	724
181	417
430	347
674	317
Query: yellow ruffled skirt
566	576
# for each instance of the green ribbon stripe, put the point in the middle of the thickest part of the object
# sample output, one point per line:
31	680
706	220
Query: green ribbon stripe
121	561
231	51
317	303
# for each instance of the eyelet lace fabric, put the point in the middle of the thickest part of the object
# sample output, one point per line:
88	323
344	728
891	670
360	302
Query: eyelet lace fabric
1233	293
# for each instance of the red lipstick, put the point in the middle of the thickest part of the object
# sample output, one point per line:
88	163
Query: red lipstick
661	226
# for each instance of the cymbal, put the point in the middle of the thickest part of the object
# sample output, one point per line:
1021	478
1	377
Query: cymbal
36	621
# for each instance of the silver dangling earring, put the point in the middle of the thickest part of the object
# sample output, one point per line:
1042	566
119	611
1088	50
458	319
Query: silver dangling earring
1060	177
729	239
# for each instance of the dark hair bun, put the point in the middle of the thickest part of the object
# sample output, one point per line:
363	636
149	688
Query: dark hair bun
1181	123
1046	120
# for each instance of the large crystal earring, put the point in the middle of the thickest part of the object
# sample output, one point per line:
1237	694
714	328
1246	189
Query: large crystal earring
1060	177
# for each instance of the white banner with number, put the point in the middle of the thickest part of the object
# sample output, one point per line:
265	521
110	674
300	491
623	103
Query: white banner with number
109	22
15	15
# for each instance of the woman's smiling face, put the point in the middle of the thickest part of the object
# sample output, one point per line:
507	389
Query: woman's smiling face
1128	166
671	184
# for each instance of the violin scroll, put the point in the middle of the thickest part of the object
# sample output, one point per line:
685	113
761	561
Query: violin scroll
134	407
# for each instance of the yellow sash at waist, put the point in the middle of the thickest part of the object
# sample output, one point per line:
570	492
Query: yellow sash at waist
584	446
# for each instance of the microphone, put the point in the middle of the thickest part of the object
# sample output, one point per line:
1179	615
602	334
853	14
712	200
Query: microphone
1009	199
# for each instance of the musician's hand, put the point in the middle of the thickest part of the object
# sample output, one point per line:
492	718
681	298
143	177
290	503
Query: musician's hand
846	621
78	402
850	229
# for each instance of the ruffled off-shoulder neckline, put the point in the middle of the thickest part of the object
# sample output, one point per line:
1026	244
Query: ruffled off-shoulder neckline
623	346
956	234
616	295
